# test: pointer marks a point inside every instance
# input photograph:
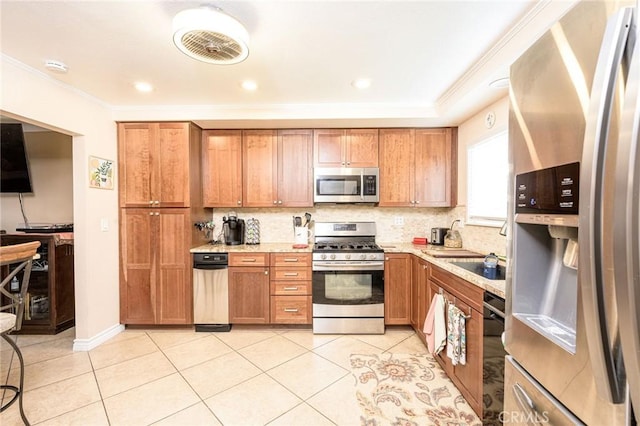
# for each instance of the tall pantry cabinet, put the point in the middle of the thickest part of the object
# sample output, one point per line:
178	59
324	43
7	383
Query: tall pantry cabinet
160	200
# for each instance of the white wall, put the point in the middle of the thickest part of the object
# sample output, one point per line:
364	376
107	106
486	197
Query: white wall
479	238
51	171
35	98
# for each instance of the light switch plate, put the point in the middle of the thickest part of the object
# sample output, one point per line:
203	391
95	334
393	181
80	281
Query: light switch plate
104	224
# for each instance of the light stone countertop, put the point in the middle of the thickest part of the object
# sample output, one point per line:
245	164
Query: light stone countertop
496	287
250	248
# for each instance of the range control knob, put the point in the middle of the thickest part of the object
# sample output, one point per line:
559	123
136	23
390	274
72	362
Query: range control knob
347	256
333	256
363	256
323	256
372	256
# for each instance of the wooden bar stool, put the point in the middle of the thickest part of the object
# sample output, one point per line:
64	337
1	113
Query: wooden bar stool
23	255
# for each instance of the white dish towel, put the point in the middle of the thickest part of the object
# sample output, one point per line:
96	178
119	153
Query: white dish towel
435	328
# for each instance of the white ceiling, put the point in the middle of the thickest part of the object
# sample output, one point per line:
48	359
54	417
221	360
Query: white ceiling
430	61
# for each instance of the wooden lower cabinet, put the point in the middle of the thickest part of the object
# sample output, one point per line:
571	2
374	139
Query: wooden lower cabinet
397	289
420	300
468	298
291	309
155	266
290	288
249	288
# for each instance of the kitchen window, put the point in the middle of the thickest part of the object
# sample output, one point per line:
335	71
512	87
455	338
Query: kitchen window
487	177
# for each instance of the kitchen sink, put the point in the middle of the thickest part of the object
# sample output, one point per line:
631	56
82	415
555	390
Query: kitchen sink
478	267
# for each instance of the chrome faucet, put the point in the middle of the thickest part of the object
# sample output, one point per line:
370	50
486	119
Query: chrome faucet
503	230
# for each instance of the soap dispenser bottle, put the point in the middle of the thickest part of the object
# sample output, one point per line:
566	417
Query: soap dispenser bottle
490	266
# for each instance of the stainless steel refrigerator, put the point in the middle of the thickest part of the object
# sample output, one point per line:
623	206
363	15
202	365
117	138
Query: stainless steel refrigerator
573	273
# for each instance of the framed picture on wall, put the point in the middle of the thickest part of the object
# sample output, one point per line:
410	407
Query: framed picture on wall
100	173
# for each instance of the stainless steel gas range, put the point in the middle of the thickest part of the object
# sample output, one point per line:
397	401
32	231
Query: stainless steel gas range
348	279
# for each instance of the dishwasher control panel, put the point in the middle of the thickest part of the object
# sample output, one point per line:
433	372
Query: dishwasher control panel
207	260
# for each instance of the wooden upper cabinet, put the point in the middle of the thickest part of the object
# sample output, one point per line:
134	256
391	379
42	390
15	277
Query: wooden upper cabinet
295	174
259	168
277	168
328	148
397	167
345	148
435	173
418	167
222	168
154	164
361	147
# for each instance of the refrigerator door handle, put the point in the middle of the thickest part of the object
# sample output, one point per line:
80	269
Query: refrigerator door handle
610	383
527	405
626	230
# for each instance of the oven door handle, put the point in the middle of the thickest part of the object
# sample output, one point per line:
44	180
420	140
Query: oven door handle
494	310
374	266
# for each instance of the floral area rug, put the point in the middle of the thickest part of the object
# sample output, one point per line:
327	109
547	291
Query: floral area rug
407	390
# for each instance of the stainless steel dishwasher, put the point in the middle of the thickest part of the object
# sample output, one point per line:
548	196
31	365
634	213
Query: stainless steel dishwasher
211	291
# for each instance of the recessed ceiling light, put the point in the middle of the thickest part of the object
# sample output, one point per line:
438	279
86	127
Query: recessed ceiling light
361	83
56	66
143	86
249	85
500	83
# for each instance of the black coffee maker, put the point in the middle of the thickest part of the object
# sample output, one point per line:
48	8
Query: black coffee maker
233	229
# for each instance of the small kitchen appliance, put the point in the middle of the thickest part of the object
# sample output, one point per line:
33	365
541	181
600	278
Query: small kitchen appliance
346	185
348	279
233	230
437	236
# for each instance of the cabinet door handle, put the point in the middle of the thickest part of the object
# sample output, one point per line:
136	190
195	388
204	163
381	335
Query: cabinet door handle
157	213
290	274
348	163
150	202
275	202
279	201
248	259
290	309
239	202
290	288
291	259
417	201
156	202
150	213
266	272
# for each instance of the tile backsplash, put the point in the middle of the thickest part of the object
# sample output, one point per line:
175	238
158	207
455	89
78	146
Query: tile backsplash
394	225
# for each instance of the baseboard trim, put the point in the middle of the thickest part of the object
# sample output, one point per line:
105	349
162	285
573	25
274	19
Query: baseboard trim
85	345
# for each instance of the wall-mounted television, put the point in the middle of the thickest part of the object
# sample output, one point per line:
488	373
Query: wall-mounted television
14	164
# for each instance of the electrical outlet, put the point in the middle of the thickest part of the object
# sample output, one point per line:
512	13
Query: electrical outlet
104	224
398	220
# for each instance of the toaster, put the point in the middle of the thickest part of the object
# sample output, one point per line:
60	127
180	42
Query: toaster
437	236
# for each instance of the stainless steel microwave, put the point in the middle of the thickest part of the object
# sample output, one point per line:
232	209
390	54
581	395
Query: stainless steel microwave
346	185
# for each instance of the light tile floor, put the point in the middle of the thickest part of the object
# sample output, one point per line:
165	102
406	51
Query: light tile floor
249	376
